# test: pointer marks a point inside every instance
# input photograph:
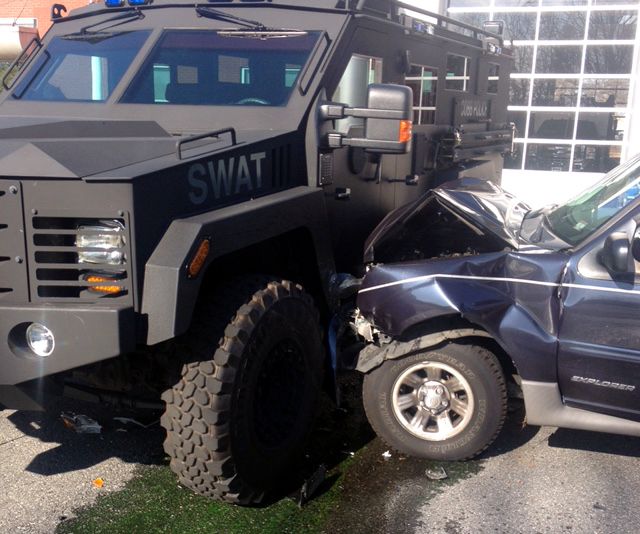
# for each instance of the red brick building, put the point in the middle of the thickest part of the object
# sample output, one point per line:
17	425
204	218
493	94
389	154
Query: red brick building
22	20
36	12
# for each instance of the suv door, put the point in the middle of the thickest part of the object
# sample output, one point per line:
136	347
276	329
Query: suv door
599	332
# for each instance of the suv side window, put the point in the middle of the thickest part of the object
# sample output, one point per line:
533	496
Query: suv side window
352	89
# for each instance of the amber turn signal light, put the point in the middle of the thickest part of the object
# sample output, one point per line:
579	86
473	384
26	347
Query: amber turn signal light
199	258
406	131
105	289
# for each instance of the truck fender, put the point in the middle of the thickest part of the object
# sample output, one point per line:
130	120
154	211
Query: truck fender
373	356
169	295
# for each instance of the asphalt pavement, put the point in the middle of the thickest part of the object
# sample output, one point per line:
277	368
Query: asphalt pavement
558	481
47	470
532	480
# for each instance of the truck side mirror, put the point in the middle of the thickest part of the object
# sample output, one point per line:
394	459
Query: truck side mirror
388	124
616	253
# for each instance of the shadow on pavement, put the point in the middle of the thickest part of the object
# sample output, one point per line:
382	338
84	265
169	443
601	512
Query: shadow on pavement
514	433
565	438
130	443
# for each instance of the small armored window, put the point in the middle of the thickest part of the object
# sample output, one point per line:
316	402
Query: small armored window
352	89
457	73
424	82
493	78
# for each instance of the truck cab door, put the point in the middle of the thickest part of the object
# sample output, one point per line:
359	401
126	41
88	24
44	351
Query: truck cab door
599	332
353	197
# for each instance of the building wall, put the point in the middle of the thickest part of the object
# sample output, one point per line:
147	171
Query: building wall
574	90
34	13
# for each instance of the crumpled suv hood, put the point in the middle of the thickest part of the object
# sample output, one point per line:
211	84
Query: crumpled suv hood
485	207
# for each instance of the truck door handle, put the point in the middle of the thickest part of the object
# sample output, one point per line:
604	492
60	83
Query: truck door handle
343	193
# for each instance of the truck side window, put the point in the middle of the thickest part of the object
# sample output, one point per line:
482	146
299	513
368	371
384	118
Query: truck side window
424	82
352	89
457	73
492	78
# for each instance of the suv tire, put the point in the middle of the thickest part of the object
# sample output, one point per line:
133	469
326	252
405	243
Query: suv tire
447	403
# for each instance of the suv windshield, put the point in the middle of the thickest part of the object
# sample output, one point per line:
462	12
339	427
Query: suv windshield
205	67
578	218
81	69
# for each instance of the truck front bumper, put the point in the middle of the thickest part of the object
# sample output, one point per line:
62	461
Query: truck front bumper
83	335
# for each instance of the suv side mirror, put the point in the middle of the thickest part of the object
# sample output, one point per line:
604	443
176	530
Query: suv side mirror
635	248
388	120
616	253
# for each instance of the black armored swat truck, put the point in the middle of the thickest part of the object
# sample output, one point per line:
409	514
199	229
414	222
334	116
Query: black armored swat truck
181	183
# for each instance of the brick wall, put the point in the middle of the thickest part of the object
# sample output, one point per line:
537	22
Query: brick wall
38	9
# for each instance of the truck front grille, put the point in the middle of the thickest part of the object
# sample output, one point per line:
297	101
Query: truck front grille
69	262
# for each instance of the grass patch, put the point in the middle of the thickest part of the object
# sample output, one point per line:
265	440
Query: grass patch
153	503
363	493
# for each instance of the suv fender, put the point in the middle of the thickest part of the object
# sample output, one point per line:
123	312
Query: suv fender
373	356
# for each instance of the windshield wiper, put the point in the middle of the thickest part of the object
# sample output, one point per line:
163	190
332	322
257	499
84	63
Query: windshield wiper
90	37
215	14
99	35
255	29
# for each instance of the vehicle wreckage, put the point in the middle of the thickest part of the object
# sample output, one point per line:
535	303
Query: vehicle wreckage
469	288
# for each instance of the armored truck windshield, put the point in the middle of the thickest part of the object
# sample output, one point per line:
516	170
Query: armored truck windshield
185	67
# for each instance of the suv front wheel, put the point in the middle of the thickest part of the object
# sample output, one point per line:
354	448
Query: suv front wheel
447	403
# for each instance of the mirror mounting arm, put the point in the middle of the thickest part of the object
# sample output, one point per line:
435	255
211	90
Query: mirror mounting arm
337	140
337	111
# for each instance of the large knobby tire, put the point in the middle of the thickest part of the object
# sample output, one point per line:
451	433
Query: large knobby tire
240	413
447	403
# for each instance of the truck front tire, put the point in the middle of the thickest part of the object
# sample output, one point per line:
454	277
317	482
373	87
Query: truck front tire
240	413
447	403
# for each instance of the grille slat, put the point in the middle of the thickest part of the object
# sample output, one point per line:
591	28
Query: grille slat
83	266
63	231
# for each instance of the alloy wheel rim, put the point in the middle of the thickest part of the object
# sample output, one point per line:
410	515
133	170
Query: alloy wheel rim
432	401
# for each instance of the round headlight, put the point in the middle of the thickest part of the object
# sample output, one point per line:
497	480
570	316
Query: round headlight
40	339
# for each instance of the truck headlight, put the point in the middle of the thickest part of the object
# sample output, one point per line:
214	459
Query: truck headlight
40	339
105	243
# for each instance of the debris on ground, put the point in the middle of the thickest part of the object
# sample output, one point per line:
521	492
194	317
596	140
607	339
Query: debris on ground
80	423
98	483
386	455
312	484
437	473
